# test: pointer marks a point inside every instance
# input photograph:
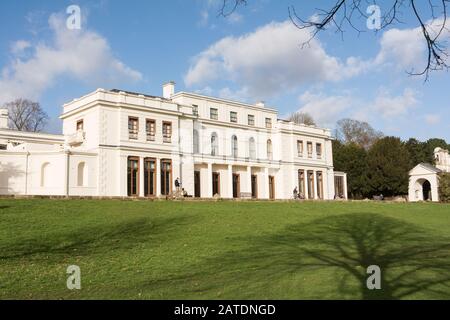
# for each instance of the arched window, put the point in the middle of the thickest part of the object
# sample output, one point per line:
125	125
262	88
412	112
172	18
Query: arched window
45	173
196	142
269	150
82	178
251	148
234	146
214	144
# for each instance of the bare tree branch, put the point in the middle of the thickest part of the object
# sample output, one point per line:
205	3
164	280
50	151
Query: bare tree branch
229	6
343	12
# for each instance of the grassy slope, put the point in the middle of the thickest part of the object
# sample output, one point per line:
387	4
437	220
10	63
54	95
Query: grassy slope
223	250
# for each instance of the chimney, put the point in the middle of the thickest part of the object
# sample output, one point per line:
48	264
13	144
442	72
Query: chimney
168	90
260	104
3	118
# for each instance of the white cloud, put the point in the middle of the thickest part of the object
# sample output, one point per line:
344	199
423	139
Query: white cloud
432	119
235	18
269	60
204	18
389	106
406	48
80	54
19	47
325	110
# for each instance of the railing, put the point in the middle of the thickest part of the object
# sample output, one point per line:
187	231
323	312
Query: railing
133	134
76	138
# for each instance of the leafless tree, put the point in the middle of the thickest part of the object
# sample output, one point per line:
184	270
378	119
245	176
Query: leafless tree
26	115
229	6
344	13
359	132
301	118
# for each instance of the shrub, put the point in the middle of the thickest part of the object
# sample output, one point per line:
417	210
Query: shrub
444	187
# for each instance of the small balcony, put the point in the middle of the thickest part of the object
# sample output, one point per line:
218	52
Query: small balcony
76	138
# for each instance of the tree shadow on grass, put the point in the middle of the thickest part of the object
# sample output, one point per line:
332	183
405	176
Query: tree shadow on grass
414	262
95	239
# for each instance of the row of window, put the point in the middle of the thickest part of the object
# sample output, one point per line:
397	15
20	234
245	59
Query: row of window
309	148
150	129
214	115
150	164
306	184
234	146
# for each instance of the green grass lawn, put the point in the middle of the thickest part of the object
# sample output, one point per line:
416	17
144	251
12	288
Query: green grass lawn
223	250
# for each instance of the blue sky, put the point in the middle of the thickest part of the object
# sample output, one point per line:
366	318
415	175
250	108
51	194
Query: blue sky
254	54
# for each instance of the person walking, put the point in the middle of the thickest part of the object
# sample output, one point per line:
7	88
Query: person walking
295	193
177	184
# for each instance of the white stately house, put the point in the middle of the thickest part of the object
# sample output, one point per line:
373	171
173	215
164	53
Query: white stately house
117	143
424	178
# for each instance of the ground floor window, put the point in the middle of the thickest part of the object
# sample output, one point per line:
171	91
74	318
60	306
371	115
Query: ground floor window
271	187
166	177
310	184
216	183
236	185
149	177
301	182
197	185
254	186
133	176
319	184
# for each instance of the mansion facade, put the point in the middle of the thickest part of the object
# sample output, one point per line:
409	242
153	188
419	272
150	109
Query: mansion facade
118	143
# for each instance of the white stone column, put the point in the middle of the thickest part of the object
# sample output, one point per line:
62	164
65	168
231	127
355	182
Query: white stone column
345	186
266	183
249	179
141	176
315	185
230	181
209	190
158	177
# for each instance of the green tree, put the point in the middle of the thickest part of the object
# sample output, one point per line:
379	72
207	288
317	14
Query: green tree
444	187
417	152
388	164
432	144
352	159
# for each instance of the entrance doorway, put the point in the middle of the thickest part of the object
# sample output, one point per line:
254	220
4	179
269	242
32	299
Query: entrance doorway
197	184
133	176
426	189
271	187
236	185
254	186
166	177
216	183
149	177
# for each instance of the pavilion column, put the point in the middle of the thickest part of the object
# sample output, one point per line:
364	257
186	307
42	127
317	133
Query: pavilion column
344	179
305	183
230	181
315	185
141	176
209	190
